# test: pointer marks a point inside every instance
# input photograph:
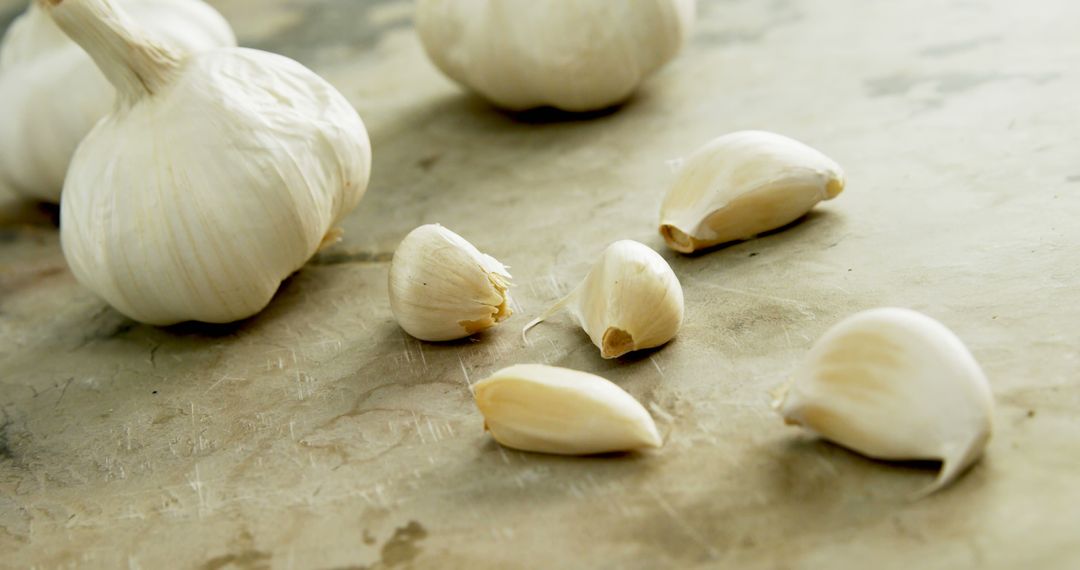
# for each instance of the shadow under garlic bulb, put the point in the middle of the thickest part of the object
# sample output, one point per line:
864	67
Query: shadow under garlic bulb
217	175
575	55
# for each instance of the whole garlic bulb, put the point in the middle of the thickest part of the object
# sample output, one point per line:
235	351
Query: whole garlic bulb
217	175
548	409
743	184
576	55
630	300
53	94
894	384
443	288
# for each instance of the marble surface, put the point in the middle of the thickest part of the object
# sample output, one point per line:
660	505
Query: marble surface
318	435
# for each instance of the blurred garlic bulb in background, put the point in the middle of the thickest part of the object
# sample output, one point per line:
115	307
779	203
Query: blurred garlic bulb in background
443	288
630	300
743	184
894	384
217	175
576	55
52	94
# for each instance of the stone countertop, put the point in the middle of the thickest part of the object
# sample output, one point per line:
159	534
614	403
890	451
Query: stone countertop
318	435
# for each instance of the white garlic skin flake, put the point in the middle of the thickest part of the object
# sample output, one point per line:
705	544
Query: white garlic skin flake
53	94
743	184
547	409
442	287
217	175
630	300
575	55
894	384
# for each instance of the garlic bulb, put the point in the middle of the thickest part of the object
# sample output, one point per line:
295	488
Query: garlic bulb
53	94
547	409
744	184
630	300
216	176
576	55
443	288
894	384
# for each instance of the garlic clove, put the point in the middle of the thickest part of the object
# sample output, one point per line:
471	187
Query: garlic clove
443	288
547	409
894	384
575	56
215	176
630	300
743	184
53	94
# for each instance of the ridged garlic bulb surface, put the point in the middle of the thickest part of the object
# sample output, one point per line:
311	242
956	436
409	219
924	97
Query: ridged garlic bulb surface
630	300
218	174
894	384
576	55
53	94
743	184
442	287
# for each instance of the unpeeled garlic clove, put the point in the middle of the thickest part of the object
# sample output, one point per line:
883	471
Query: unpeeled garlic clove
743	184
630	300
894	384
443	288
548	409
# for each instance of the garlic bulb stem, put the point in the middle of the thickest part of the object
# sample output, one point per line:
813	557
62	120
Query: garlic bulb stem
135	64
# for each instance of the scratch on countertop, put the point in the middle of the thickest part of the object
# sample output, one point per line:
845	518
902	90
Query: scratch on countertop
678	520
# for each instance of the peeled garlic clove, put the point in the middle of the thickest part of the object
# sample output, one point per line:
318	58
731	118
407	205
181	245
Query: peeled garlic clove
547	409
443	288
743	184
630	300
894	384
217	174
53	94
569	54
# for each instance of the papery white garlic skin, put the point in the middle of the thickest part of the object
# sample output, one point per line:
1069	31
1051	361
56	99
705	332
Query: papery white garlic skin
547	409
443	288
743	184
217	175
894	384
576	55
630	300
53	94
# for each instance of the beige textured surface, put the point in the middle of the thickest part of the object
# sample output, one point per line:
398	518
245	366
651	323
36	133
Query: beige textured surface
317	435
